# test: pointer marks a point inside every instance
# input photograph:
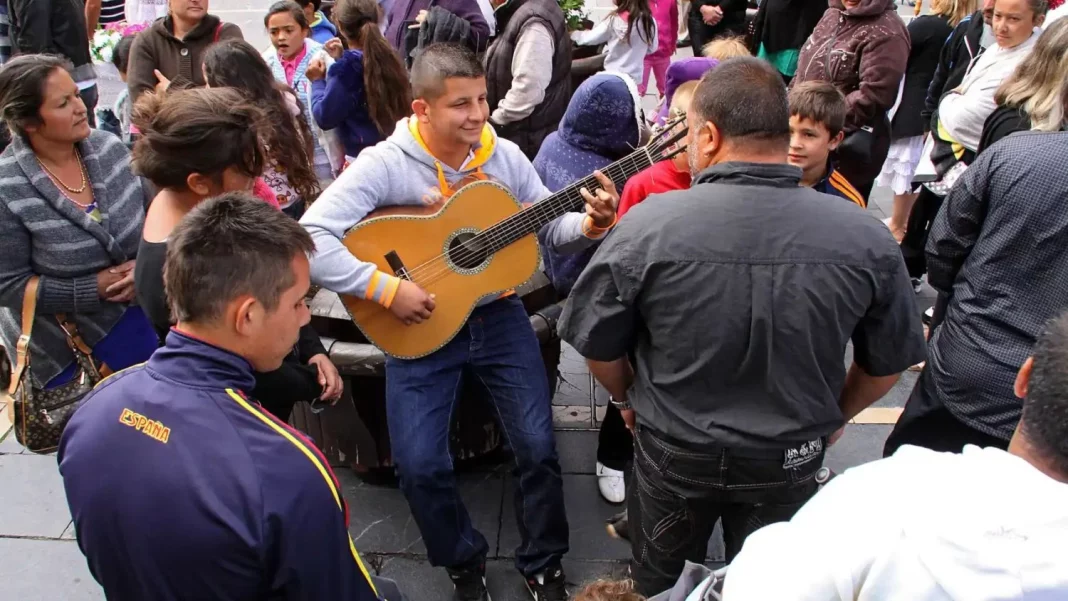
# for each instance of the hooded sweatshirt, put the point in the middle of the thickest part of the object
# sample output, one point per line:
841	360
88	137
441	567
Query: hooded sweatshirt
401	171
962	112
863	51
602	124
982	525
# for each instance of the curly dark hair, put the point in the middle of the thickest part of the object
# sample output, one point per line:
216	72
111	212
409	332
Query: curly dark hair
236	64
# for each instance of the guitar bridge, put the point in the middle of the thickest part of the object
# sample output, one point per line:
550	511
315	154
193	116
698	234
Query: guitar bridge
395	263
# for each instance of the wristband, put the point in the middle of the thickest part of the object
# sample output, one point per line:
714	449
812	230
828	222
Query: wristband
621	405
592	231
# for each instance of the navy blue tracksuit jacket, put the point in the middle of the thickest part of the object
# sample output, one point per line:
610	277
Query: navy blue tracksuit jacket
182	488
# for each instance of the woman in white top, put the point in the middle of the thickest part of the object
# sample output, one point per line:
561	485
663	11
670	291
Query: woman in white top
629	33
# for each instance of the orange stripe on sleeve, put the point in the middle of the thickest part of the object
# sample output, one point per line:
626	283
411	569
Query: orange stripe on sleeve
372	286
842	185
392	285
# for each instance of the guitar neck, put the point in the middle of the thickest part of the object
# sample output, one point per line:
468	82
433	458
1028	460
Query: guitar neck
531	219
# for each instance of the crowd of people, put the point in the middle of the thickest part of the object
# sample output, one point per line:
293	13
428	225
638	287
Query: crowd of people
154	275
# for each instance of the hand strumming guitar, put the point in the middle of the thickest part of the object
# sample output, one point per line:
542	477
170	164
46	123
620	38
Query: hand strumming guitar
411	304
601	204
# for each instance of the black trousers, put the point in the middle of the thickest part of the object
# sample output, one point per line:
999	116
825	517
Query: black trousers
615	444
919	227
678	493
926	422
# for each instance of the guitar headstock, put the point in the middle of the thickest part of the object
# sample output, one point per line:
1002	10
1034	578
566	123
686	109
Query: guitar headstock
664	141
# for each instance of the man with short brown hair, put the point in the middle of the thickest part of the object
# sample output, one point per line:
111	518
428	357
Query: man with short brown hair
181	486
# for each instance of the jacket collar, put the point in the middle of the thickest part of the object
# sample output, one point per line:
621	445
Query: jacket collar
199	364
52	195
206	28
738	173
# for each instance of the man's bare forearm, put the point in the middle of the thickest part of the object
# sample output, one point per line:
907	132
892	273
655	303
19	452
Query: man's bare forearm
861	390
616	376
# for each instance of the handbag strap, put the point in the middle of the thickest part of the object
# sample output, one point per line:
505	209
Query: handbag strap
74	338
22	348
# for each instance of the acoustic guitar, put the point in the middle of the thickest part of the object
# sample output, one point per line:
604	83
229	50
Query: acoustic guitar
480	243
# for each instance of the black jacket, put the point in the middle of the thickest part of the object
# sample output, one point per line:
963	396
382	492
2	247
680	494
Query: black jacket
512	18
1003	121
785	24
50	27
440	26
960	50
928	34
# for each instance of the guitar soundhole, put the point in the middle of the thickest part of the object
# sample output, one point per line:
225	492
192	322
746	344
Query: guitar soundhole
466	252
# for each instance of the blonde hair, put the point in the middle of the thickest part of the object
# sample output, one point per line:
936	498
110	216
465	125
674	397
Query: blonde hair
609	590
1035	85
725	48
953	10
680	102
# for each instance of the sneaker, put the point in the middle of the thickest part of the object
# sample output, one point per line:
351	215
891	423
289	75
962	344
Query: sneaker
618	526
928	315
611	484
917	285
548	585
470	584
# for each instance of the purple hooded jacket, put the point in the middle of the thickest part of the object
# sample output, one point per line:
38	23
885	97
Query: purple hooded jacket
680	72
402	13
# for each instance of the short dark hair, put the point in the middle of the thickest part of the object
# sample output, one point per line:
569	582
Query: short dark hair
120	56
746	99
229	246
22	82
316	4
287	6
1044	422
438	62
201	130
819	102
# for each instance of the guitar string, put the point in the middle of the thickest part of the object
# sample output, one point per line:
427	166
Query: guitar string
629	163
496	237
650	149
492	239
508	227
500	232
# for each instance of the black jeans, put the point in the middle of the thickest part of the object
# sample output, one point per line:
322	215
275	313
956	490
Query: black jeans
90	96
615	445
678	493
926	422
914	244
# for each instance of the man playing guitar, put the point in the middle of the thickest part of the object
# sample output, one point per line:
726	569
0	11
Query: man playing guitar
429	157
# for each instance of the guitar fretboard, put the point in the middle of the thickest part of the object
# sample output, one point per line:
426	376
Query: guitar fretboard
567	200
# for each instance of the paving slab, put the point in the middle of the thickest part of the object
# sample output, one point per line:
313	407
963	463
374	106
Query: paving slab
859	444
32	497
577	451
381	523
44	570
419	581
586	515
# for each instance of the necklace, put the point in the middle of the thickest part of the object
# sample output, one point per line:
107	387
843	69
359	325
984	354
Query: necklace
56	179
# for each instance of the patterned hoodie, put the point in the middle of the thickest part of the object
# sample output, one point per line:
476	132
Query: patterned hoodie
863	51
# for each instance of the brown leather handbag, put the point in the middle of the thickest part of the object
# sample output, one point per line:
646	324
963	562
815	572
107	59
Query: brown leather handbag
40	415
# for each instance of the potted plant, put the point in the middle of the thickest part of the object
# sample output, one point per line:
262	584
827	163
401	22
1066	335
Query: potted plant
575	14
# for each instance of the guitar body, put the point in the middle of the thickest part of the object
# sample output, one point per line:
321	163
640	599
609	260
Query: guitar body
429	241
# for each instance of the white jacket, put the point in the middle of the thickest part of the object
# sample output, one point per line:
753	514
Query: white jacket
982	525
962	112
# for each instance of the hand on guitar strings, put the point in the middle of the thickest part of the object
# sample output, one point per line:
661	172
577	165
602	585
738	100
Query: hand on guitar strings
601	203
412	304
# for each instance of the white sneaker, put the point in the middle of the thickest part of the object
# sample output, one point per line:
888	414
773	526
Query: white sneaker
610	482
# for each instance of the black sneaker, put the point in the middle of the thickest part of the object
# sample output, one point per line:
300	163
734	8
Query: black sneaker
917	285
548	585
470	583
618	526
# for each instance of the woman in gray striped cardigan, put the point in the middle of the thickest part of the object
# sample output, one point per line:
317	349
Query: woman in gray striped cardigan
71	213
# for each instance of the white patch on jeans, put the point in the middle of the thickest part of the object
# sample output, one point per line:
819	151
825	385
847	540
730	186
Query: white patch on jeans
801	455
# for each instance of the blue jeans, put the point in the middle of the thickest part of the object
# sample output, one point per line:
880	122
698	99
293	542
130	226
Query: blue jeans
498	347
